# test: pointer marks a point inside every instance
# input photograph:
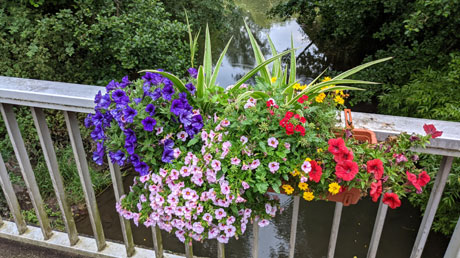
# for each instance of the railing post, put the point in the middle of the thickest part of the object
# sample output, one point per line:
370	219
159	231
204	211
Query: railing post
335	229
255	233
11	199
432	206
220	250
378	228
85	178
53	168
189	249
453	250
295	216
118	190
26	168
157	241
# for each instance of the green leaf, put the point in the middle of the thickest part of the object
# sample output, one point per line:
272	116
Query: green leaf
281	154
256	69
276	71
234	209
292	67
265	73
285	177
262	146
360	67
219	62
192	141
220	174
262	187
207	59
200	84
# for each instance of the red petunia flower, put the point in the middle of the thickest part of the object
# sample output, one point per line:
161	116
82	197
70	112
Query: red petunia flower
346	154
270	103
336	146
413	181
302	99
375	167
392	200
302	119
288	115
316	171
346	170
284	122
300	129
423	178
431	130
289	129
376	190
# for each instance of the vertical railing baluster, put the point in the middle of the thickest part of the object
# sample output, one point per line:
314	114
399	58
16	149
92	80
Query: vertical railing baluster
11	199
26	168
432	206
335	229
189	249
255	233
85	178
220	250
157	241
453	249
53	168
378	228
118	190
295	217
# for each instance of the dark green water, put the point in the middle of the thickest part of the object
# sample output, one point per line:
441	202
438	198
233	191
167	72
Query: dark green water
315	218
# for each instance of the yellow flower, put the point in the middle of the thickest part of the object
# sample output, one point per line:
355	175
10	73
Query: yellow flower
303	186
295	172
340	92
319	150
339	100
273	79
320	97
288	189
334	188
308	196
326	79
308	159
296	86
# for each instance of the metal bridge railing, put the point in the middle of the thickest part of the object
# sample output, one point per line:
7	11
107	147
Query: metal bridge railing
73	98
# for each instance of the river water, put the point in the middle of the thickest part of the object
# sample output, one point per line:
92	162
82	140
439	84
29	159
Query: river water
315	218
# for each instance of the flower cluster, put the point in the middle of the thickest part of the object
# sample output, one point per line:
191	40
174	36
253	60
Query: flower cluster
139	113
293	125
194	198
346	169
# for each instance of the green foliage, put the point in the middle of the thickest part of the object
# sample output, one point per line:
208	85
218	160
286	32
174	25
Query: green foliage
68	44
431	94
418	34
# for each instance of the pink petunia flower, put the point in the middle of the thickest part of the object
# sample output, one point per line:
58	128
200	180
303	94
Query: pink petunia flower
273	166
272	142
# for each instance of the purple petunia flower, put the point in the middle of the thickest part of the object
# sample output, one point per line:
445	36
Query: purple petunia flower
168	152
150	108
135	159
104	102
142	168
191	88
129	113
193	72
177	107
111	86
156	94
149	123
124	82
119	97
168	91
118	157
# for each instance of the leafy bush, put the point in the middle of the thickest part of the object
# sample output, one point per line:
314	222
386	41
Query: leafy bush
418	34
69	43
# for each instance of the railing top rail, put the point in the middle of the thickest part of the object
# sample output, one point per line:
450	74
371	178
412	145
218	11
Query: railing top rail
80	98
48	94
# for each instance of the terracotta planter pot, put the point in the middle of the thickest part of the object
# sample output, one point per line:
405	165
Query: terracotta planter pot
346	197
362	135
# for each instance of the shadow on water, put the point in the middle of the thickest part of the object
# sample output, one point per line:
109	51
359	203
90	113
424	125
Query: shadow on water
313	231
315	218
